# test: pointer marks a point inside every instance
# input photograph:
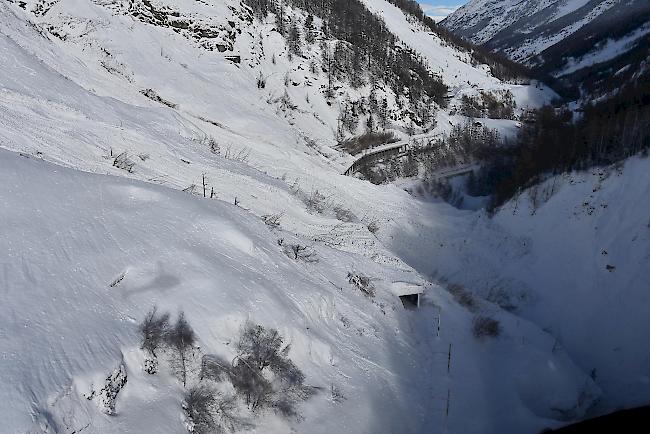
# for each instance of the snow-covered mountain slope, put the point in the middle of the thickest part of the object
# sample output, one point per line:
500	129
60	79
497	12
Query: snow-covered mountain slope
73	234
579	41
79	45
457	70
481	20
70	109
571	254
82	82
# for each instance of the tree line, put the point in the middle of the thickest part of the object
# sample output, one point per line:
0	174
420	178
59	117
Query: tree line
364	49
551	141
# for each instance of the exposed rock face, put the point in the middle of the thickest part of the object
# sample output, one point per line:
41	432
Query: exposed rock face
107	396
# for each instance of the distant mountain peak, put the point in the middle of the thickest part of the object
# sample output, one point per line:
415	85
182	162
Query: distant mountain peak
579	43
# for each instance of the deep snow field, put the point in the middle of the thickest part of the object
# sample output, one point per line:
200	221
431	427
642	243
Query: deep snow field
72	224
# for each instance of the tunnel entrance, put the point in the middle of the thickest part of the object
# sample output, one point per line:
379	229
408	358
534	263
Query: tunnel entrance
410	301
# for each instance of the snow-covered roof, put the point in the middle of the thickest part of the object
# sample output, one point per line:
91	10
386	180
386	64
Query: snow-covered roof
406	288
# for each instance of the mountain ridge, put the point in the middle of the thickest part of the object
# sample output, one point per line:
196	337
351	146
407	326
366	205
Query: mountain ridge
575	44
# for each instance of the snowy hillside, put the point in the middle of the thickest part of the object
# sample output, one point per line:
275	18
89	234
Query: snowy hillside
572	40
481	20
144	245
177	154
571	255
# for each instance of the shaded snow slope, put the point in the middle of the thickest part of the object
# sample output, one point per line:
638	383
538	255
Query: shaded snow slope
572	255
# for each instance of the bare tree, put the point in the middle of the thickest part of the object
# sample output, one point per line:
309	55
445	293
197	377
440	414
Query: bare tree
153	330
262	350
209	411
122	161
181	339
249	382
214	368
199	407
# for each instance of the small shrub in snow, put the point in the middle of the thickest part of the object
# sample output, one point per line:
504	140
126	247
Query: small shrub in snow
180	339
241	155
150	365
251	385
484	326
294	187
317	202
122	161
264	375
373	226
363	283
309	142
191	189
336	396
152	95
272	220
344	214
463	296
502	298
214	146
299	252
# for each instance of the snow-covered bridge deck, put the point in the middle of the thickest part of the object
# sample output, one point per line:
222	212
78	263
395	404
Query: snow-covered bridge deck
402	148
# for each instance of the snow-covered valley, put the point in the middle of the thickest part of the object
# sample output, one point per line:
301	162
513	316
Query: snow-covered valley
221	182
